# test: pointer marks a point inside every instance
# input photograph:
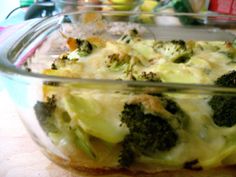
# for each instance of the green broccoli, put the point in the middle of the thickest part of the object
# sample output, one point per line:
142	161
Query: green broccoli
56	123
148	133
175	50
84	47
44	112
224	107
227	80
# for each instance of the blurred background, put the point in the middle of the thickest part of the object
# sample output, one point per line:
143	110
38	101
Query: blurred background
19	10
7	6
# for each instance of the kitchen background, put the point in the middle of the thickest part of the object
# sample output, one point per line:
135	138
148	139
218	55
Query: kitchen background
18	7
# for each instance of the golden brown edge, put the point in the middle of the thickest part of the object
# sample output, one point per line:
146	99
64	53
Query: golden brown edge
223	171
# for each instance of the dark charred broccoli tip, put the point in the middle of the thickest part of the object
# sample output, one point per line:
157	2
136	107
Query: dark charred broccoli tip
224	107
53	66
84	47
148	134
180	43
150	76
192	165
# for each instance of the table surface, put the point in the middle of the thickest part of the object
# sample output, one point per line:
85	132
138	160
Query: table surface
19	155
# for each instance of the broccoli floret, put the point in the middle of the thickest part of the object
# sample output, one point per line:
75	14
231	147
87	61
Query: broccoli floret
227	80
175	50
44	113
148	134
224	110
224	107
127	38
117	62
84	47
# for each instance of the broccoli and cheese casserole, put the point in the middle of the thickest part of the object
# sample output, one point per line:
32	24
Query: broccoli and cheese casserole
148	132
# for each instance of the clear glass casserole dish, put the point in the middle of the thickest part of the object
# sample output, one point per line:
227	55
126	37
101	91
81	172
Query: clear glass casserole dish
103	93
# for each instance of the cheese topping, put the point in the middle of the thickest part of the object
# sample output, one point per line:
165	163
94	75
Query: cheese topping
97	114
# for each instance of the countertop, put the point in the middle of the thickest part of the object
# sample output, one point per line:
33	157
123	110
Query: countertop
19	155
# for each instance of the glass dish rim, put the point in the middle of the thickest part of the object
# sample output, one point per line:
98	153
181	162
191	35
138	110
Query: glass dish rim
8	69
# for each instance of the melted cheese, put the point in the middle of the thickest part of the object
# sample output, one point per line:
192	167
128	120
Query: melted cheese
202	139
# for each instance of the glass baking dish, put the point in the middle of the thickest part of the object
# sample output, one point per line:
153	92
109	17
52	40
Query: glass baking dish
158	123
